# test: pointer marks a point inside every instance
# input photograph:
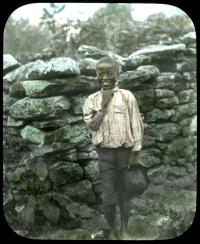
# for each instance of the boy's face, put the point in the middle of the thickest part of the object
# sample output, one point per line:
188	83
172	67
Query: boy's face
106	75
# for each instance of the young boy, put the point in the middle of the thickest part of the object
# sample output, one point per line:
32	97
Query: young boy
117	131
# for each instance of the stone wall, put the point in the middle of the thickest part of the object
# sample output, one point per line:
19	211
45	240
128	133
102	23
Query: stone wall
50	165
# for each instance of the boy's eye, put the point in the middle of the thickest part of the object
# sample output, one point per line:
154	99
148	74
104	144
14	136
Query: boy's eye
108	73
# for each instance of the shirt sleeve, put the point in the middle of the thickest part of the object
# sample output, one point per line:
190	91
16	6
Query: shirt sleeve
93	118
137	125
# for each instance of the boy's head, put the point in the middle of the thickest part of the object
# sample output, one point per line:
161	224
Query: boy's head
107	72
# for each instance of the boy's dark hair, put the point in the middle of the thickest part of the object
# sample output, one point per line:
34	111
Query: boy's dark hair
108	60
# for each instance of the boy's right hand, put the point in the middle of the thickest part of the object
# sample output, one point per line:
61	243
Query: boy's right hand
106	97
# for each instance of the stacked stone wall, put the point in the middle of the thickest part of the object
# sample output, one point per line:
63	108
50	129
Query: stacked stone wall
50	168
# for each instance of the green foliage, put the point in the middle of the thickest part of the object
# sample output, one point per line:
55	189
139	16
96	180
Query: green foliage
48	17
59	32
160	29
21	39
110	28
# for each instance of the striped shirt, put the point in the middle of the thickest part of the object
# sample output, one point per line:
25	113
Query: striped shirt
122	125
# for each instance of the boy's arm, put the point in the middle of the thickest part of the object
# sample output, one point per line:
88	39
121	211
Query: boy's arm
137	125
93	118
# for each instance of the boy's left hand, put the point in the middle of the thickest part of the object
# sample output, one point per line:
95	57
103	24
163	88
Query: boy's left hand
132	159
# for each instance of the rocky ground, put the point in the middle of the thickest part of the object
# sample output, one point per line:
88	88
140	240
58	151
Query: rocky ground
159	217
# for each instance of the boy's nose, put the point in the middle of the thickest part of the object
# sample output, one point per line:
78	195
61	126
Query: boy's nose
105	77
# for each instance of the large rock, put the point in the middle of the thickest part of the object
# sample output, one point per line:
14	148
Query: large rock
166	131
158	114
14	123
88	148
189	38
43	88
162	93
60	135
162	216
135	78
60	67
7	102
157	52
144	97
187	66
93	155
65	172
85	155
150	69
177	205
182	209
134	62
180	86
167	80
186	96
77	104
48	151
158	174
95	53
67	118
88	66
71	155
32	134
91	171
64	138
30	177
148	141
43	108
35	88
185	110
150	157
48	208
186	122
152	227
180	144
25	212
189	76
74	209
166	102
80	191
9	63
191	127
179	178
80	135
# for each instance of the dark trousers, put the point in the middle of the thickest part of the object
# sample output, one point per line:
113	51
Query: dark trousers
113	163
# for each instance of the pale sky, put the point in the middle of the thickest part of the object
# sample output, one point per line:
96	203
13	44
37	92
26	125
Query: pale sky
85	10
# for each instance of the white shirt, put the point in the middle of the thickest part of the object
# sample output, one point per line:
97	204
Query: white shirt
122	124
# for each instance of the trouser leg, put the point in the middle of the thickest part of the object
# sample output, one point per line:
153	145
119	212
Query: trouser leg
110	214
108	173
124	203
124	212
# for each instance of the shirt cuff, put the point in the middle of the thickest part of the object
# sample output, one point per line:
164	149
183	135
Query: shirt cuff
137	146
